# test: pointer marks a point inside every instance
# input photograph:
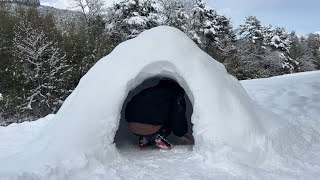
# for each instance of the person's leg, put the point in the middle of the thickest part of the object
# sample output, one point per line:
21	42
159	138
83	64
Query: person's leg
162	143
145	132
161	140
158	138
164	131
178	122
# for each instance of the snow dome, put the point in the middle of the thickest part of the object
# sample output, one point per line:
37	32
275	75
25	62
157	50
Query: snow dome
227	125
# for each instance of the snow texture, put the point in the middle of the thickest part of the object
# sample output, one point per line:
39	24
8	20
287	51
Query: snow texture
230	130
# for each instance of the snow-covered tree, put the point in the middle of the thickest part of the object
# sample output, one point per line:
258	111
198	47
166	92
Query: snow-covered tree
43	72
244	60
90	9
252	30
204	24
129	18
306	63
175	13
296	49
314	46
278	38
302	53
268	42
211	31
10	82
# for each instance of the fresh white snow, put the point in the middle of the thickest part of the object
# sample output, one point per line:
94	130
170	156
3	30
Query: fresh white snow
235	137
278	94
16	137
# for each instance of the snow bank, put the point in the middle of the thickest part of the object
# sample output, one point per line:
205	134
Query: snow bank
228	127
15	137
296	97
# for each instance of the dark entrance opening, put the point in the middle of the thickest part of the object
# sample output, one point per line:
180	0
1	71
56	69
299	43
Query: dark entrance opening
124	137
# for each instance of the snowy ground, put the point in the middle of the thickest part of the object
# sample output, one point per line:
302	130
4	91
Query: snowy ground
294	97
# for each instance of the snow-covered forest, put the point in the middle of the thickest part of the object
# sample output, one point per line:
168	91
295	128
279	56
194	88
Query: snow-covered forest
44	51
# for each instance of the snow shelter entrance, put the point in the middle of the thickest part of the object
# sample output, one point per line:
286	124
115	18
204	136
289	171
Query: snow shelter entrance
123	135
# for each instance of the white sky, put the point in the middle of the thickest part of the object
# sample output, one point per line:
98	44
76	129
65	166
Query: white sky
294	15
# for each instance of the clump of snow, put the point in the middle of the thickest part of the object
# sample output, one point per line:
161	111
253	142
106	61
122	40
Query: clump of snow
227	125
1	97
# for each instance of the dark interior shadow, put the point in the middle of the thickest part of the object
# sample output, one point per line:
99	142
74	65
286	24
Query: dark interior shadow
124	137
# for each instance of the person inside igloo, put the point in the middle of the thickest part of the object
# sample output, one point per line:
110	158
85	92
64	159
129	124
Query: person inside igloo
156	112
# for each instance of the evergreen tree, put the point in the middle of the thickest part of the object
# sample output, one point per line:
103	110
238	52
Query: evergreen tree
252	30
39	67
129	18
268	48
300	52
279	40
11	82
84	46
175	14
296	50
314	46
209	30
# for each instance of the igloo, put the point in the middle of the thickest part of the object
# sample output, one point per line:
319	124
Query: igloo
227	124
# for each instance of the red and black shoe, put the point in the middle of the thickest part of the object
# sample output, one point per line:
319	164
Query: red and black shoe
162	143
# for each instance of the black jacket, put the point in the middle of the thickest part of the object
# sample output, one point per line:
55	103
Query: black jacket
161	104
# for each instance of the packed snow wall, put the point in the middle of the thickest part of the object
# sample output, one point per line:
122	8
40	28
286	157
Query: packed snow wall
227	125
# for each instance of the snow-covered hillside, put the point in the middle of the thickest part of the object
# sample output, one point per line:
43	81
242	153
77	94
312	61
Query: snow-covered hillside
63	17
294	97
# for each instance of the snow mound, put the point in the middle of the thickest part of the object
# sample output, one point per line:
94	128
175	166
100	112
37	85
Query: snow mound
227	125
16	136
